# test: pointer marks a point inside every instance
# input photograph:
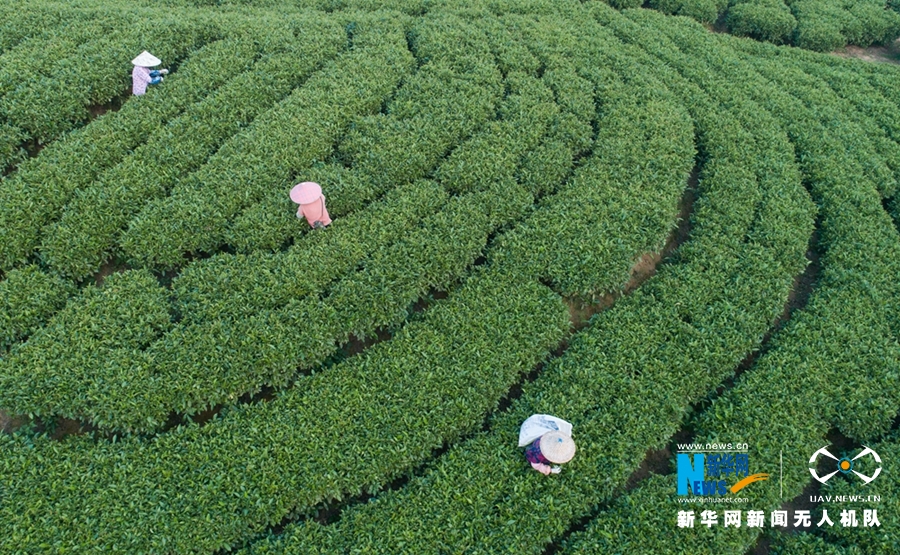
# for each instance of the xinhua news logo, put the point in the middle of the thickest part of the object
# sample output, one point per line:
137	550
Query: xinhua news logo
708	474
844	465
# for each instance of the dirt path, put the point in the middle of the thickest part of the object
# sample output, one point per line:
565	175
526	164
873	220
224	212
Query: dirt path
889	54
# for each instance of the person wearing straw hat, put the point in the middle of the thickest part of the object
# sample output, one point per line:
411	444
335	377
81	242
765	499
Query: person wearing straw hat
142	75
312	204
551	448
547	440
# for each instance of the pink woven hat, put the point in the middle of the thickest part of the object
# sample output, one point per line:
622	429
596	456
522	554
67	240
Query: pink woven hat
306	192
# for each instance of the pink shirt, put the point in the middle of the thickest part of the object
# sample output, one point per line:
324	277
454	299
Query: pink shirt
314	212
140	78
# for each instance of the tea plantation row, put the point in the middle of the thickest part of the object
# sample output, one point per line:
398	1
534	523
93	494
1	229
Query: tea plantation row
515	156
426	515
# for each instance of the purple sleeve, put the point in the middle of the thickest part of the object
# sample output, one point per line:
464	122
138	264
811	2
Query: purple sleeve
533	453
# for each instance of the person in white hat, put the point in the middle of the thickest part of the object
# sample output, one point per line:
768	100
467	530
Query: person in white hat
551	448
142	75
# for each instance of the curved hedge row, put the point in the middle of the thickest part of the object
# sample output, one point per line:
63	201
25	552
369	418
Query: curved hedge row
626	382
37	192
822	25
432	257
229	285
765	20
432	382
704	11
31	392
28	298
211	289
841	345
55	98
166	379
879	153
216	360
872	110
572	240
40	19
175	377
97	331
263	338
424	117
195	215
84	236
201	489
479	497
825	25
493	154
27	59
549	163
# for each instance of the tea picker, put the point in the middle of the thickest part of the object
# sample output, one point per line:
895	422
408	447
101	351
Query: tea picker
312	204
547	440
142	76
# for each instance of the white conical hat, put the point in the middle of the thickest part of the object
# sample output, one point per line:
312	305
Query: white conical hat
146	59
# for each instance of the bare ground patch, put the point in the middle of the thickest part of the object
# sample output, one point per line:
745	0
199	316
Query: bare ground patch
109	268
887	54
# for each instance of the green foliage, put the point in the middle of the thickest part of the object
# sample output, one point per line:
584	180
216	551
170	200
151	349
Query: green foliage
40	19
11	139
70	73
492	155
429	385
572	239
357	305
623	4
272	221
35	195
28	297
770	21
657	350
84	237
200	365
819	25
93	335
298	131
227	284
704	11
807	544
842	342
419	125
870	23
470	148
827	25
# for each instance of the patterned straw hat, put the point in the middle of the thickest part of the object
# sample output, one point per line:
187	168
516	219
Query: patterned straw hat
557	447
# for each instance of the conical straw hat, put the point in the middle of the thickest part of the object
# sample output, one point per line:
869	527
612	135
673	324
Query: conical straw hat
557	447
146	59
306	192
